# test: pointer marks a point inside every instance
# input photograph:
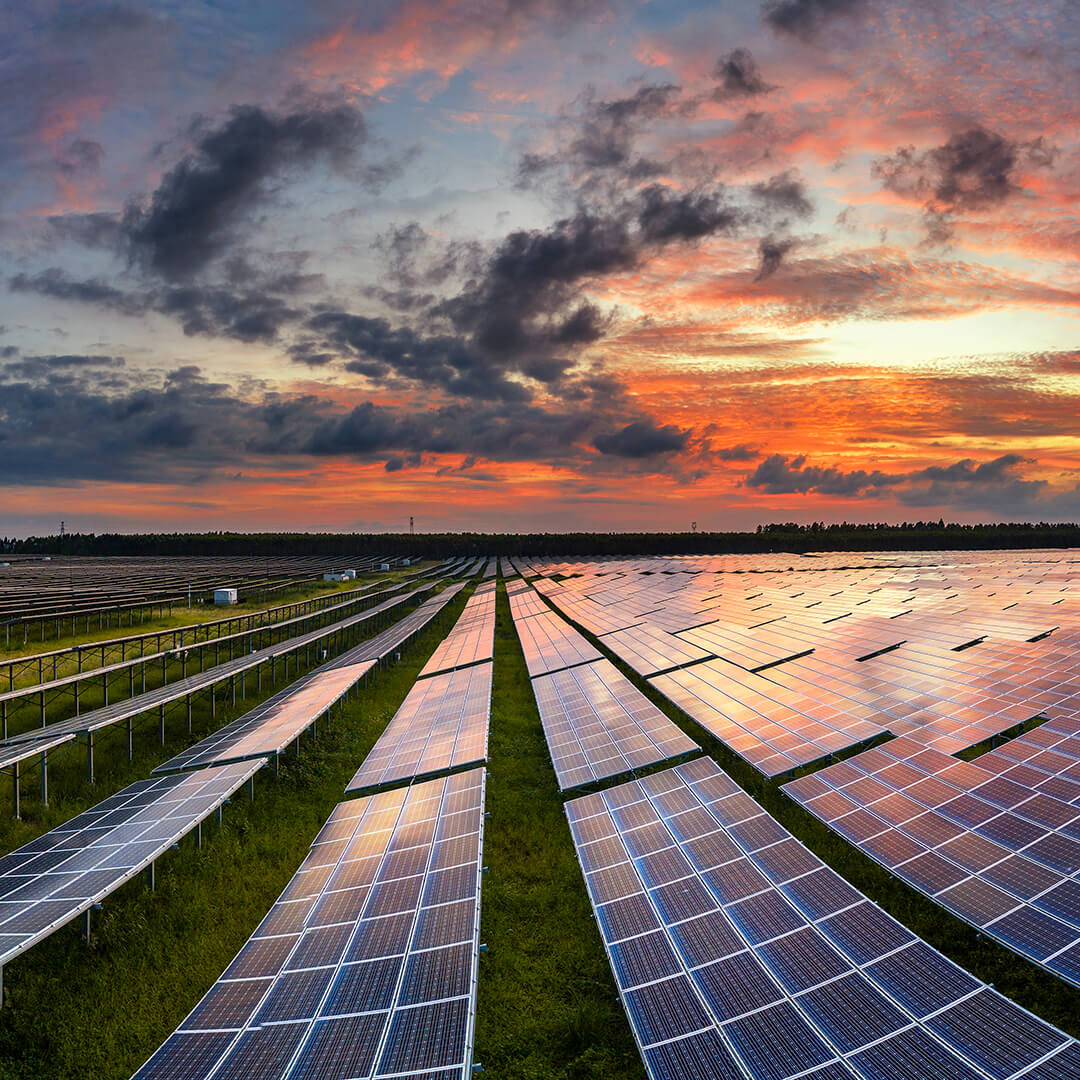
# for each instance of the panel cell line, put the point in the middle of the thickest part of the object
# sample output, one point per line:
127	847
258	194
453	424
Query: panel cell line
772	727
473	637
551	643
738	953
442	724
66	871
366	966
598	724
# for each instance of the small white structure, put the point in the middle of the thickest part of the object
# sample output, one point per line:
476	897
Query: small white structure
384	566
224	596
406	562
343	575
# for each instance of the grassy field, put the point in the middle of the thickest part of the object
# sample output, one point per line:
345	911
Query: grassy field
547	1004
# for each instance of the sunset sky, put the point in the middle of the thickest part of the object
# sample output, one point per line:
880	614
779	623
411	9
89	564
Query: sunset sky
538	264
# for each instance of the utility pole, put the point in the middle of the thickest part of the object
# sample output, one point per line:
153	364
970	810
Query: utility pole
411	529
693	526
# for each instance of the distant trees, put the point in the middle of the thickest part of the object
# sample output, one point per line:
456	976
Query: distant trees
786	536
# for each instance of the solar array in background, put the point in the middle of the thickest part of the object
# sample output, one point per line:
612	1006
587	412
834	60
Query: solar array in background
366	965
738	953
66	871
442	724
805	657
473	637
596	722
271	726
119	711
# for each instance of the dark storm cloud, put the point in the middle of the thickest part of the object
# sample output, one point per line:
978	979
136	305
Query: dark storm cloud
973	170
738	76
200	310
65	423
779	475
604	133
641	439
996	486
784	194
195	210
772	252
378	350
806	18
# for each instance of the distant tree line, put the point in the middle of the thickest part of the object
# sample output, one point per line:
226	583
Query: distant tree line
787	536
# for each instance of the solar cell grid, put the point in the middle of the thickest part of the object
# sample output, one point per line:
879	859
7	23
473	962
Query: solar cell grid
597	724
799	974
442	724
389	990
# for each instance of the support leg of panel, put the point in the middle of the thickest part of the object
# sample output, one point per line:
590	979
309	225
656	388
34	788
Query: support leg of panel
219	815
90	756
86	926
161	722
44	778
251	788
187	702
151	876
130	738
198	835
15	788
276	756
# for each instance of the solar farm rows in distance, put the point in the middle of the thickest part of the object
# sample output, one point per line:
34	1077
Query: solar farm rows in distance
366	965
788	666
738	953
240	642
66	586
281	719
596	722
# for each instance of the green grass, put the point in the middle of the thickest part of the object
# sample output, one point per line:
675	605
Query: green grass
548	1007
74	1011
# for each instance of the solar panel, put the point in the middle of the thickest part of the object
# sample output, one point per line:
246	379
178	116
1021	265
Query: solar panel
268	728
598	724
366	965
473	637
550	644
738	953
990	849
64	872
649	650
442	724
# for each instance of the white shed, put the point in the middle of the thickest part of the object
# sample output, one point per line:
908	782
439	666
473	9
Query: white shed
224	596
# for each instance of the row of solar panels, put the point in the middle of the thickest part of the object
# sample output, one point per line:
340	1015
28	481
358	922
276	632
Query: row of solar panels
366	965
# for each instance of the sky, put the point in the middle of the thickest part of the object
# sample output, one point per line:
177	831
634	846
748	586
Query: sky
517	265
